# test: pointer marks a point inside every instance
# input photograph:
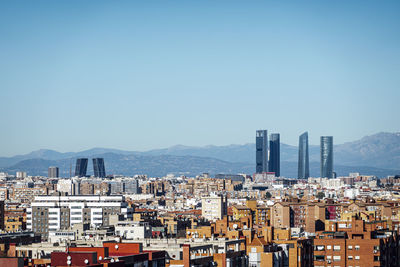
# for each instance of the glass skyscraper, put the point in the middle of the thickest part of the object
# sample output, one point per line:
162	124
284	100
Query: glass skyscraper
303	165
54	172
274	164
81	167
98	168
327	156
261	151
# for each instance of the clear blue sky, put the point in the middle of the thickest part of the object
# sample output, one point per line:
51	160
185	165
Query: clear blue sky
138	75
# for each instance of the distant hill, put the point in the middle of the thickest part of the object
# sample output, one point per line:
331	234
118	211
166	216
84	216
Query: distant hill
377	154
162	165
137	164
381	150
54	155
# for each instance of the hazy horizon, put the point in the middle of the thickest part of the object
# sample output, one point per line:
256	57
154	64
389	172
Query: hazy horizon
156	148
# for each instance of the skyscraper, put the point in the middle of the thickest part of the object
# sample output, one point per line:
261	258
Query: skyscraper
327	156
81	167
303	165
274	164
261	151
98	167
53	172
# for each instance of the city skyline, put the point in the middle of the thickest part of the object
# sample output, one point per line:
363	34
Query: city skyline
160	75
186	145
199	133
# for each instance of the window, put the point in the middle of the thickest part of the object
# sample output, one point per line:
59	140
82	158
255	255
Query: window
376	258
329	247
376	248
357	257
350	247
319	248
349	257
336	258
357	247
319	257
336	248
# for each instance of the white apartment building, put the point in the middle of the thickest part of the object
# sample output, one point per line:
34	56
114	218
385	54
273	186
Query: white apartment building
53	213
65	186
213	207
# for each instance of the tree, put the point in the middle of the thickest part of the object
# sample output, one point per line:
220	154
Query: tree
268	195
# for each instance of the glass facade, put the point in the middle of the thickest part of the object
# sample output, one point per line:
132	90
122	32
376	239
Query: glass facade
274	164
327	156
303	165
81	167
98	167
261	151
53	172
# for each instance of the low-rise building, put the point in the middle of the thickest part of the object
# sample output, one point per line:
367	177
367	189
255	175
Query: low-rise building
133	230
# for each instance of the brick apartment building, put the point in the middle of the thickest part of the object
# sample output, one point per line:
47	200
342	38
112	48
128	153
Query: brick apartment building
356	243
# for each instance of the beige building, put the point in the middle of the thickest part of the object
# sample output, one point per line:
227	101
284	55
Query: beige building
213	207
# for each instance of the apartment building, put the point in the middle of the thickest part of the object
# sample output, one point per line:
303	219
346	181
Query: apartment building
27	194
356	243
133	230
308	216
213	207
53	213
259	214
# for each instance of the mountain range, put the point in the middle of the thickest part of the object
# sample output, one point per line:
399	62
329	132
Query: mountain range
378	154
